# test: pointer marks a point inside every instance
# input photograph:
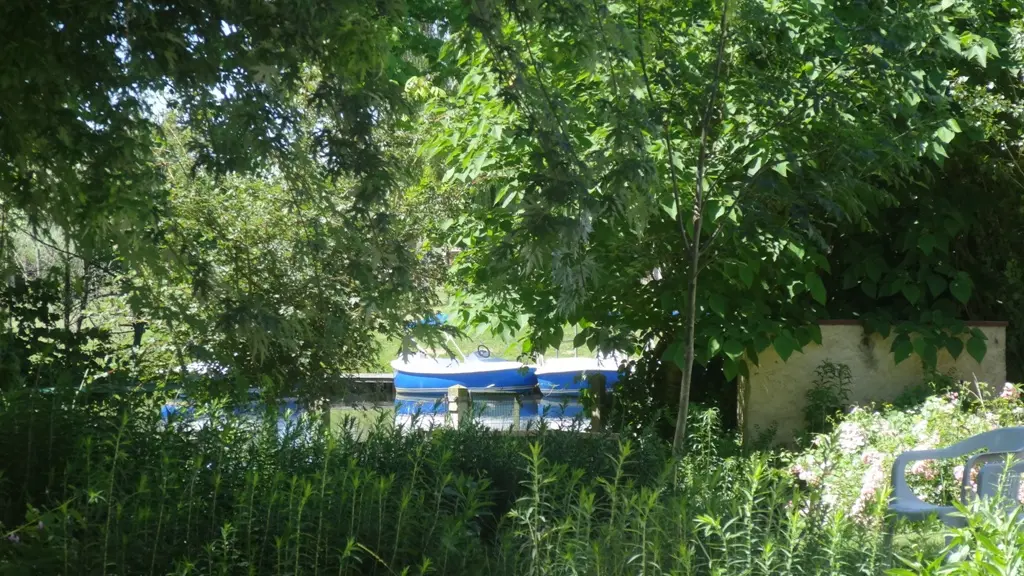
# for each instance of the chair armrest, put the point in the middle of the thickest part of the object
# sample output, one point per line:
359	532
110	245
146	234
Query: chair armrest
900	489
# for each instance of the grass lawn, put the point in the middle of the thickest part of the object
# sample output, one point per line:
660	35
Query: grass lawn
365	417
503	346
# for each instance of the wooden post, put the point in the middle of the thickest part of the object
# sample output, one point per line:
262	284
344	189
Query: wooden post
325	414
458	405
597	385
517	404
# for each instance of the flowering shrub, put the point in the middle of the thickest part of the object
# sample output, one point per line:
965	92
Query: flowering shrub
850	466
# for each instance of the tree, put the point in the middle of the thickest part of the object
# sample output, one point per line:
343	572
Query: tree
707	141
277	277
278	105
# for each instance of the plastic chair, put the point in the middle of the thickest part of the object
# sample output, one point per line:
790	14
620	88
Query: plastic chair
1002	481
994	445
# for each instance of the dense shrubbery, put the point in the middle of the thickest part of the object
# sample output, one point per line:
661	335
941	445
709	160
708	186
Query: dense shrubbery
850	467
108	488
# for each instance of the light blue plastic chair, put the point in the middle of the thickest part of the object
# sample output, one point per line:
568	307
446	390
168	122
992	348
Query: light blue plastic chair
988	450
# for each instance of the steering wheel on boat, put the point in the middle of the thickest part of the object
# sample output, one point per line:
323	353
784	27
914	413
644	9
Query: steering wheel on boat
483	351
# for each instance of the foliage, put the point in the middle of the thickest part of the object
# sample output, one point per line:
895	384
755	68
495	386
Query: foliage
828	396
850	464
989	544
616	151
92	484
282	278
82	82
280	114
125	493
945	249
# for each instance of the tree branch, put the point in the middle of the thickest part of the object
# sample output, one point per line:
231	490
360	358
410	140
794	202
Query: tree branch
666	128
698	204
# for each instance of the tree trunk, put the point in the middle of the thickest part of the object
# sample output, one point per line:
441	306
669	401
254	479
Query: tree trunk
694	246
679	440
68	296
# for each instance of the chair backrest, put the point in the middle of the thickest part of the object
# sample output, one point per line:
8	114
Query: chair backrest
1002	480
998	440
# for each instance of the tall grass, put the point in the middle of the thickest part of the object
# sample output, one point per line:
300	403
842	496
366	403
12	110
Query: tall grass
118	492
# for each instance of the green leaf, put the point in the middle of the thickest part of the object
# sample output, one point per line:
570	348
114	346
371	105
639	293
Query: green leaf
714	210
874	267
945	134
675	353
755	168
752	354
912	293
730	369
670	208
955	346
579	339
977	348
815	331
785	345
961	287
901	348
781	168
717	303
978	53
849	278
869	288
929	354
815	286
527	345
733	348
926	242
952	41
746	275
936	284
761	342
713	346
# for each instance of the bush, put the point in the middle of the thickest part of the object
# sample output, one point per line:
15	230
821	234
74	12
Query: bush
115	491
850	466
108	488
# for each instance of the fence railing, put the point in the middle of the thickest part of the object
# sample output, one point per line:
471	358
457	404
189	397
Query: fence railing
505	410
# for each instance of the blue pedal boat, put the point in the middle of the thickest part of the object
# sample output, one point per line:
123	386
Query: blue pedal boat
427	375
567	376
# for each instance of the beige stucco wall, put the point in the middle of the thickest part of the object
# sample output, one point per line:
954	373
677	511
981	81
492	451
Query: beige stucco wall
776	391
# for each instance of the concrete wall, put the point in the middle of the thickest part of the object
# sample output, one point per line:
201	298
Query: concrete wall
776	391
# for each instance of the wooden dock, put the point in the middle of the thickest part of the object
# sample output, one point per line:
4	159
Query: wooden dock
373	378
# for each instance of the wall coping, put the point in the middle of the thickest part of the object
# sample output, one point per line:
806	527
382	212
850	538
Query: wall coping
974	323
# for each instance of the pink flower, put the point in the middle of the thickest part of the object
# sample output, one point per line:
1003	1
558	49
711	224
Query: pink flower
871	483
923	468
992	420
851	436
871	457
958	473
807	475
1010	392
